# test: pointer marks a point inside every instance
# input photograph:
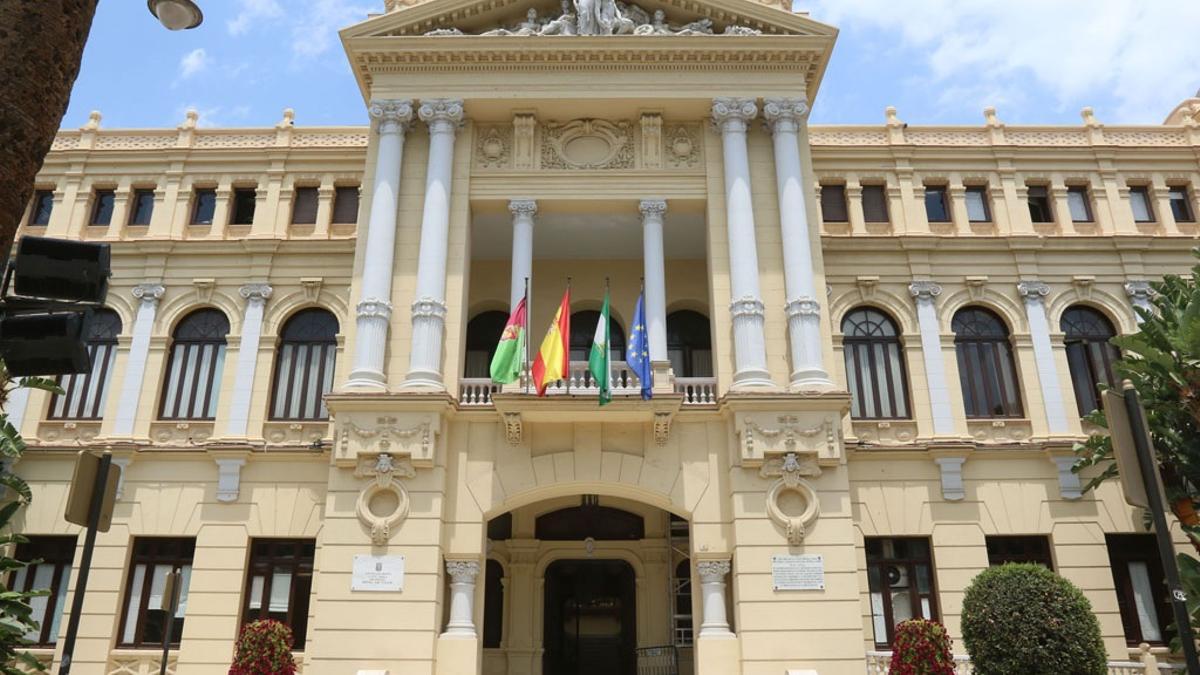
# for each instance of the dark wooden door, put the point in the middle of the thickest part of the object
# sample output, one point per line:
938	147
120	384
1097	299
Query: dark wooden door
590	618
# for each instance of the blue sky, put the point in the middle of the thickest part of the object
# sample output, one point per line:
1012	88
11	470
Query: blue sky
938	61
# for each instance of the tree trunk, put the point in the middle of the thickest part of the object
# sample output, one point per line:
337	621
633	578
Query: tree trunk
41	45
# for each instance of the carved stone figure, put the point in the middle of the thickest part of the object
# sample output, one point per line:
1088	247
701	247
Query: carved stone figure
700	27
564	24
657	26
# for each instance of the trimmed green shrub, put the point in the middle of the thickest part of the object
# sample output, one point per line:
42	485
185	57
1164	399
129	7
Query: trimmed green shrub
1023	619
264	648
921	647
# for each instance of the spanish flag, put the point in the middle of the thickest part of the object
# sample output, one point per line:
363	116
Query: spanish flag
552	360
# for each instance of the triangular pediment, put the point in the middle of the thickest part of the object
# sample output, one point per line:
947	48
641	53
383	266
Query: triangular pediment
618	18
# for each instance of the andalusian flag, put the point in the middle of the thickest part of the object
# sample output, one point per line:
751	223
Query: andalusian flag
552	364
506	364
598	360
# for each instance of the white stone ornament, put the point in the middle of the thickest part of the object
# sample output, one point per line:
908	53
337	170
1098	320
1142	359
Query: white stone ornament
374	508
791	468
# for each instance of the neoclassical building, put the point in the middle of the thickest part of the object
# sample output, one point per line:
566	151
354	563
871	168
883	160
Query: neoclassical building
871	349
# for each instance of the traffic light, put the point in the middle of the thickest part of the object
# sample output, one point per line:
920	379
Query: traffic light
43	323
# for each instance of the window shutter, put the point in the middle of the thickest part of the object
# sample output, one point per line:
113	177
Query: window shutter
345	204
304	206
874	204
833	203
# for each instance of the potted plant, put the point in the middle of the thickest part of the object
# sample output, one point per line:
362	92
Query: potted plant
264	648
921	647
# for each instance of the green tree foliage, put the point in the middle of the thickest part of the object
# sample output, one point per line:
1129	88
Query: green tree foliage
921	647
1023	618
1162	360
16	615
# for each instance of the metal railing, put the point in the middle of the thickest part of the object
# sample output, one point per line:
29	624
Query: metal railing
475	392
660	660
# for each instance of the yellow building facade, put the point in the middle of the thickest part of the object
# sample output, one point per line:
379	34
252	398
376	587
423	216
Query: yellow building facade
870	350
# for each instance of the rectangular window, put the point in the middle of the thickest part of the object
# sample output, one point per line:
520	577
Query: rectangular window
833	203
279	583
1181	208
1139	201
304	206
1141	589
1039	204
43	205
345	204
51	575
204	204
874	200
142	207
936	209
1079	204
144	620
900	578
977	204
1013	549
244	200
102	207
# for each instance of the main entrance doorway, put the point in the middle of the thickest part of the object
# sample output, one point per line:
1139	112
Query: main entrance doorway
590	616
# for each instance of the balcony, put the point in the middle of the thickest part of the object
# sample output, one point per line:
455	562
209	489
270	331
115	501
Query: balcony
476	392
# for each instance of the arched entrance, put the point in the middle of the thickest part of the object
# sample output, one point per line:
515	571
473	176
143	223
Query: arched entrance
588	584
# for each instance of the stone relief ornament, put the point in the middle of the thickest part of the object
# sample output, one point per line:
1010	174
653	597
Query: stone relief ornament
383	504
588	144
797	514
602	17
492	149
682	150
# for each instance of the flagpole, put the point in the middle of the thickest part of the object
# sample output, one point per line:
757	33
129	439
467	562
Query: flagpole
528	375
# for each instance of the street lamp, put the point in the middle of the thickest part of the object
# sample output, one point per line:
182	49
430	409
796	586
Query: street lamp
176	14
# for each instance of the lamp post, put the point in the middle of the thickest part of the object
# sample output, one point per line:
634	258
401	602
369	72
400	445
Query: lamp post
176	14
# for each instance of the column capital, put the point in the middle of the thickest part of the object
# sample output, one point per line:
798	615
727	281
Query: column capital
652	208
785	114
462	571
374	308
440	113
522	207
733	114
747	306
1033	290
803	306
712	570
256	292
924	290
1139	290
149	293
393	115
428	307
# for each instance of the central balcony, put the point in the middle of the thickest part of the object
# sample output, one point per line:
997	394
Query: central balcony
476	392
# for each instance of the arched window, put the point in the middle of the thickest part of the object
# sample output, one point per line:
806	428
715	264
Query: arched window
193	378
583	332
304	366
493	604
1089	354
874	365
85	393
985	364
689	344
483	334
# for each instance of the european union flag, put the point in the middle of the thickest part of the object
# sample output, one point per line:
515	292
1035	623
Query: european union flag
638	353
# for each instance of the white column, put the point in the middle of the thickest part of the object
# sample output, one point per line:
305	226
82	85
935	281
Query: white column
785	117
655	273
712	588
374	311
924	292
462	597
429	307
1043	355
732	117
1140	293
256	296
18	401
139	349
522	211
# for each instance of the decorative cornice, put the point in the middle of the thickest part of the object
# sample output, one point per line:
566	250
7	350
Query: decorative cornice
523	207
785	114
393	115
733	114
652	208
924	290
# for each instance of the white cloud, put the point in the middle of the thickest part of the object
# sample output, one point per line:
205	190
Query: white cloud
251	11
192	63
318	22
1139	54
